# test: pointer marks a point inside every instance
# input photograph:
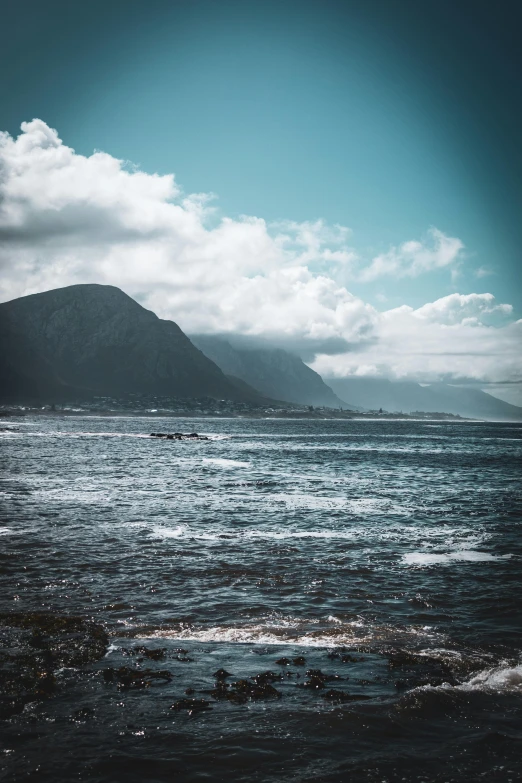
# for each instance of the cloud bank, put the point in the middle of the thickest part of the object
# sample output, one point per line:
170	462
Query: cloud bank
67	218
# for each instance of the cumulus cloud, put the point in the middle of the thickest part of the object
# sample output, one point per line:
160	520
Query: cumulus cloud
413	258
440	341
67	218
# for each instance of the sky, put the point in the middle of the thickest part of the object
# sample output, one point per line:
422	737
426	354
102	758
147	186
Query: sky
343	179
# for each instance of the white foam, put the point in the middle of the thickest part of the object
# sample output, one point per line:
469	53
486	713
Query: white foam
5	531
295	633
422	559
169	532
267	534
226	463
499	679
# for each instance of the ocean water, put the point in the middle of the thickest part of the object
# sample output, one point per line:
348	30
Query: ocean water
386	554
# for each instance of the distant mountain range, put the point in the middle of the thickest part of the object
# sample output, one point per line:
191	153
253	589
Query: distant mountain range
95	340
408	397
272	371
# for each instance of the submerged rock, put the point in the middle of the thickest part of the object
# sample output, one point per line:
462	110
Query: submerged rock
221	674
253	690
34	646
154	654
125	677
179	436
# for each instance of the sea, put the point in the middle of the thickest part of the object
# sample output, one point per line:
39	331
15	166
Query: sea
331	600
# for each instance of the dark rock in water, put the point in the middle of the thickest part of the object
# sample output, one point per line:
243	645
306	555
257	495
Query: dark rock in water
221	674
237	697
220	691
155	654
335	695
264	677
189	691
68	640
82	715
322	676
126	677
283	661
313	682
318	679
299	661
254	690
418	670
36	645
350	659
192	705
179	436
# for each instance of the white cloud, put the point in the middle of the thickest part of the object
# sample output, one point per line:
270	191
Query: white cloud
66	218
413	258
443	340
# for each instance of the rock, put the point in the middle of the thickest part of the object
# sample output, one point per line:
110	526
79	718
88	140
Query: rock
313	682
264	677
221	674
179	436
299	661
36	645
220	691
283	662
254	690
126	677
155	654
318	679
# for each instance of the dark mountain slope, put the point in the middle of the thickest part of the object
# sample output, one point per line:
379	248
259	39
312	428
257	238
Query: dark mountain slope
94	339
272	371
408	397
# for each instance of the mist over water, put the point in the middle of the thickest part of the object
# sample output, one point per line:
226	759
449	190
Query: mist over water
395	543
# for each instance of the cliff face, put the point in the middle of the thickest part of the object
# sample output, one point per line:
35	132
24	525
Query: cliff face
272	371
95	339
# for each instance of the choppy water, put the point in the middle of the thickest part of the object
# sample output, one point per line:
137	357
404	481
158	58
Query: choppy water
397	544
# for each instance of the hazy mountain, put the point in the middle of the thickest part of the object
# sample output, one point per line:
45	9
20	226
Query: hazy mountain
94	339
272	371
406	396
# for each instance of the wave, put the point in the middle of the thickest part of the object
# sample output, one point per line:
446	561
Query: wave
225	463
504	678
297	632
499	679
422	559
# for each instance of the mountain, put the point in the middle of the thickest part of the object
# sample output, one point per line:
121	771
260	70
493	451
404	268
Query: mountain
272	371
408	397
94	339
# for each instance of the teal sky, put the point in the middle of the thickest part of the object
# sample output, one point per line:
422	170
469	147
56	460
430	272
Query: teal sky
389	116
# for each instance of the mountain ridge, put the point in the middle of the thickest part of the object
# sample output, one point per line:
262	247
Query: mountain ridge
95	339
409	397
272	371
